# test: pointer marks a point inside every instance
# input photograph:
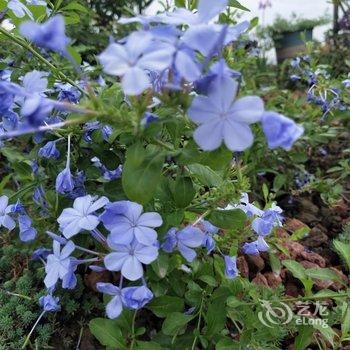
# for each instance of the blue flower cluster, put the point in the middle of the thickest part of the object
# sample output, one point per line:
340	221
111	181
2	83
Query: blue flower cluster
321	91
10	213
164	51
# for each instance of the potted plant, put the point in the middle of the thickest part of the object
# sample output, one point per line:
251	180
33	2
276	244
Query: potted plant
290	35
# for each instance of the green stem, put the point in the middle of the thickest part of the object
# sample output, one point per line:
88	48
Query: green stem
53	68
133	331
198	324
16	294
32	330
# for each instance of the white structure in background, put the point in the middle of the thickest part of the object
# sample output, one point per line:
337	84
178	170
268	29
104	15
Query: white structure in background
307	9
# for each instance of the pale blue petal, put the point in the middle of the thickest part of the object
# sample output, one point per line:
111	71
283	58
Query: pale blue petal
114	261
188	253
191	236
209	136
202	110
114	308
150	219
135	81
187	67
237	136
247	109
132	269
208	9
107	288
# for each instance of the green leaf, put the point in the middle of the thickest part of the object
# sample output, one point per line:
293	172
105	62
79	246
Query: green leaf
237	5
227	344
165	305
297	270
275	263
183	191
326	331
279	182
107	333
228	219
322	274
75	6
76	56
161	265
174	322
304	337
300	233
142	172
345	325
205	175
216	313
218	159
343	250
148	345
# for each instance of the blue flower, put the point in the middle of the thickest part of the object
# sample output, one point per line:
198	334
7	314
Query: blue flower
132	61
115	306
129	258
108	175
185	240
49	151
294	77
346	83
295	62
149	118
126	222
91	127
19	9
36	109
231	270
81	216
216	72
60	265
209	230
271	218
64	181
250	209
280	131
254	248
223	119
136	297
9	120
39	197
50	35
79	186
41	253
207	10
5	209
26	231
35	82
68	93
49	303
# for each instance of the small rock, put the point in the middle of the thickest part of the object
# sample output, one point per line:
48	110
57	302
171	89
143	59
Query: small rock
295	249
273	279
315	238
293	225
308	218
308	264
255	262
308	206
314	258
336	285
93	277
242	266
260	280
